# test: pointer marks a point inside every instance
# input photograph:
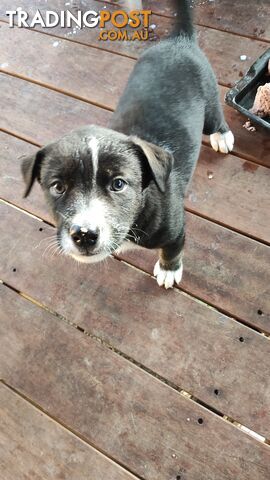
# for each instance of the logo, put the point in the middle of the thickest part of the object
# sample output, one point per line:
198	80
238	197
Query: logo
117	25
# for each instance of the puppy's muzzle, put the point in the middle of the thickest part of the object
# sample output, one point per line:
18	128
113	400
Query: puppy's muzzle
84	237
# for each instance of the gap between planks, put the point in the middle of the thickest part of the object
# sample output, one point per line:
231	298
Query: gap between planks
140	366
231	33
225	225
56	89
206	144
20	137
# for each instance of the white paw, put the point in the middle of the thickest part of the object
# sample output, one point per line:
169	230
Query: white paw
222	142
168	277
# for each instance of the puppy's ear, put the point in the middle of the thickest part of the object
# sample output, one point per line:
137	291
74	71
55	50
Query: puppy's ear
30	168
159	160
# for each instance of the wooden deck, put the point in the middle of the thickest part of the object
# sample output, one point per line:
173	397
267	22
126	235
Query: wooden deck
103	374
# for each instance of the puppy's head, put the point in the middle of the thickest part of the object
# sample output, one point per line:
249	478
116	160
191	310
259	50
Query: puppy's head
94	180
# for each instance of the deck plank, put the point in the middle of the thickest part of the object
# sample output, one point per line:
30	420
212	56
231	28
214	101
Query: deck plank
237	17
222	49
49	114
225	15
172	334
85	36
22	49
118	407
231	191
45	450
222	268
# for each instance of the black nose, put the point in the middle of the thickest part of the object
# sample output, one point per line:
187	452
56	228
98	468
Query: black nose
83	236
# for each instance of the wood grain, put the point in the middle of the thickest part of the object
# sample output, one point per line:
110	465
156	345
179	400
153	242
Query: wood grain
40	114
11	184
231	191
170	333
64	113
222	49
249	20
35	447
22	50
225	15
86	36
222	268
122	410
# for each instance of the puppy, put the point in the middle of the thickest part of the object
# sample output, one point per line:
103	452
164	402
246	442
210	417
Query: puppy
111	189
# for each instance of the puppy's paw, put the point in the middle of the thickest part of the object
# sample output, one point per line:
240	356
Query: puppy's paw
168	277
222	142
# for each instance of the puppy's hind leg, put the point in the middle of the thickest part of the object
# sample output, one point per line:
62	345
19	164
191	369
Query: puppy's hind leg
221	137
169	268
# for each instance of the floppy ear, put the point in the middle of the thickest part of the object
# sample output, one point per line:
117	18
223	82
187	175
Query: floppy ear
30	168
159	160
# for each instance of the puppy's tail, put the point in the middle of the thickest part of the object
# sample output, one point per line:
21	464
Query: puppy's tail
184	19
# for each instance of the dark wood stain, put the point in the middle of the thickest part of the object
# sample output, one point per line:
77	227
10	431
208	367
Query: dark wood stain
249	167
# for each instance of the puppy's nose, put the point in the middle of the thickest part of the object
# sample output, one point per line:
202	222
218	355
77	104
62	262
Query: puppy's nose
83	236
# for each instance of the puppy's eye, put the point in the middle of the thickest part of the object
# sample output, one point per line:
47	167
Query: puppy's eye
118	184
57	188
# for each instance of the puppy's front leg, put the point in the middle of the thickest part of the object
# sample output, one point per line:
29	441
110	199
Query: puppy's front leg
169	267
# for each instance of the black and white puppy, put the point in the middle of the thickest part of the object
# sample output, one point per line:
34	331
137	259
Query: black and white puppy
114	188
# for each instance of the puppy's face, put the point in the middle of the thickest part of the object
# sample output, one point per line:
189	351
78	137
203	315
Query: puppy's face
93	180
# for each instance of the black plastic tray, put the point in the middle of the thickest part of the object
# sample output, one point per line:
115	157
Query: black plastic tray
242	95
